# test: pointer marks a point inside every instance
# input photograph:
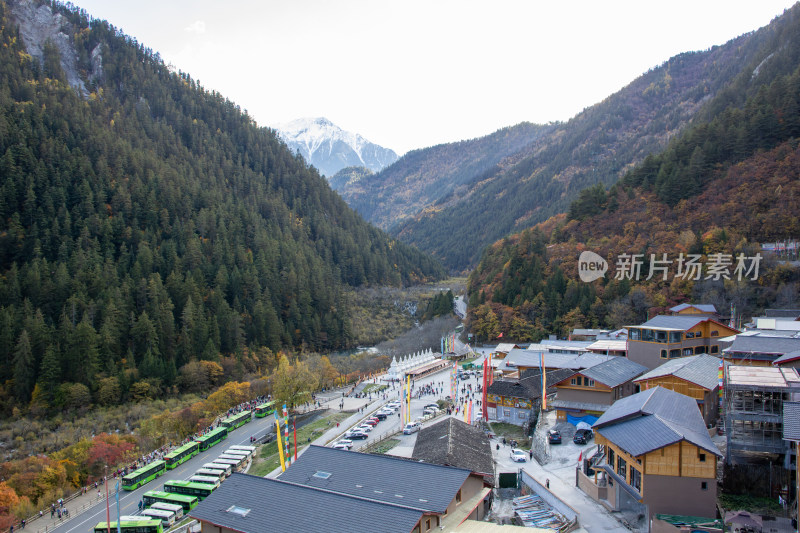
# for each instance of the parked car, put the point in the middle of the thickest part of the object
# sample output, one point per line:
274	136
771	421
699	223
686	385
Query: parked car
411	427
345	442
339	446
431	405
356	434
518	456
430	410
380	415
371	421
582	436
554	437
366	428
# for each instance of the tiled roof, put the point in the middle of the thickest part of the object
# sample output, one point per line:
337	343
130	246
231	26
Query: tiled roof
701	370
787	357
791	421
252	504
452	442
533	359
513	388
705	308
677	323
378	477
615	371
652	419
763	345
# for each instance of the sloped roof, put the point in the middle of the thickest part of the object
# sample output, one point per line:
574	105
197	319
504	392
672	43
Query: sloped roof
608	344
378	477
791	421
513	388
615	371
452	442
787	357
676	323
705	308
701	370
763	345
274	505
782	313
505	347
534	359
652	419
533	378
590	359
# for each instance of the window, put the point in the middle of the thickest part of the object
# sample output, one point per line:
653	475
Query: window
663	354
635	334
621	465
588	382
458	496
675	353
428	524
522	415
661	336
702	457
715	333
573	381
690	335
506	412
688	351
636	479
610	457
704	485
648	335
700	349
714	349
674	337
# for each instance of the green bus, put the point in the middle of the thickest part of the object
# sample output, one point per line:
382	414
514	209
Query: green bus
265	409
184	453
141	525
155	496
235	421
212	437
190	488
146	474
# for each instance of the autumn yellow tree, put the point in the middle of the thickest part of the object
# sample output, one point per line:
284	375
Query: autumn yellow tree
292	384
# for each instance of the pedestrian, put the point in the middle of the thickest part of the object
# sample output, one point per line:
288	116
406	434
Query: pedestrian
531	454
59	513
52	512
547	483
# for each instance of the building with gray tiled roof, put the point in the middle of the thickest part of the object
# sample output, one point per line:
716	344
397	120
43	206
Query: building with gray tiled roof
435	490
665	337
590	392
452	442
656	449
696	376
252	504
747	349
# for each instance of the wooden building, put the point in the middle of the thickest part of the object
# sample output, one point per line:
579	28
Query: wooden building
696	377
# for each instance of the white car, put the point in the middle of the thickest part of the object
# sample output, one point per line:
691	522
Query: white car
366	428
344	442
411	427
339	446
519	456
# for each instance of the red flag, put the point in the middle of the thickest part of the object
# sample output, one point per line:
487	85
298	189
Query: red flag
580	457
499	335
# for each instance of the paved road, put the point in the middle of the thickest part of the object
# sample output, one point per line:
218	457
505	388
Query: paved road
129	501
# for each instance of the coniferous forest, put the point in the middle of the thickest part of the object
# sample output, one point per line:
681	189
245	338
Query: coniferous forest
147	222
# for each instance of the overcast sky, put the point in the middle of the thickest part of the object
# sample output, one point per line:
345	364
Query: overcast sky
414	73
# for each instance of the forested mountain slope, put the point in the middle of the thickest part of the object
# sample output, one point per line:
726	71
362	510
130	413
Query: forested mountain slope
146	221
421	179
598	145
723	187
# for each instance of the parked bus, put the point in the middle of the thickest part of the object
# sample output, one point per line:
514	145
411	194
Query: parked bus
146	474
212	437
211	480
234	462
251	449
235	421
265	409
241	453
191	488
177	509
131	524
240	459
151	497
217	474
179	455
167	517
227	469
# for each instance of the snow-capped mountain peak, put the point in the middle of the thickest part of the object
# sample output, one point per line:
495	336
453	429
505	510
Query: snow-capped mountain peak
330	148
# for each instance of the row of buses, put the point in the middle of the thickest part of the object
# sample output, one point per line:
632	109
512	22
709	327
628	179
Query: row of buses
164	508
